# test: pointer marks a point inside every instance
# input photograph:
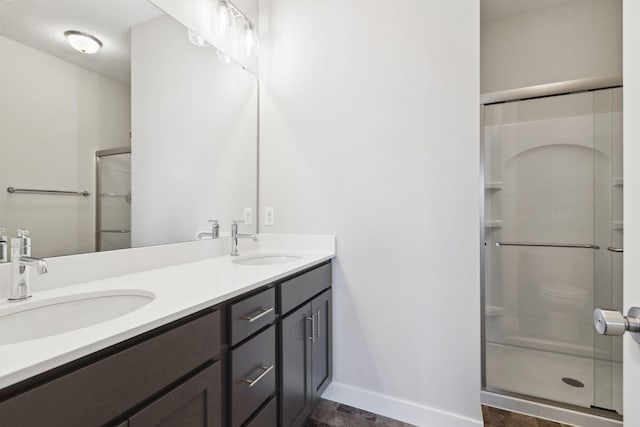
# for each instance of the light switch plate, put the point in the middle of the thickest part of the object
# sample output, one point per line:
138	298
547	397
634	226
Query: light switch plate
248	216
269	216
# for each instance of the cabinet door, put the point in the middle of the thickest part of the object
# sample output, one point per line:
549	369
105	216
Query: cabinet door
321	361
296	367
194	403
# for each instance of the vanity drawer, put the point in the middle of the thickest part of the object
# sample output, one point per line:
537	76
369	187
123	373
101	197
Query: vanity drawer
304	287
267	416
253	375
252	314
105	389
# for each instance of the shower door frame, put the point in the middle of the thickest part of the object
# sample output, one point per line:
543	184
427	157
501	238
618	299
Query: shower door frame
495	397
98	167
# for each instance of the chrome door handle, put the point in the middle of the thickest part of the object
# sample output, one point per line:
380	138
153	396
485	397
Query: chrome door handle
318	325
261	312
613	323
265	371
312	338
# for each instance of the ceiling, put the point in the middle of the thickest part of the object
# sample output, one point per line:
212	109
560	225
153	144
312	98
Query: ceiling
496	9
41	24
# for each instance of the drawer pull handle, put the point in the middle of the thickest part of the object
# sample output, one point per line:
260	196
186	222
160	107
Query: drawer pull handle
318	334
262	312
312	338
265	371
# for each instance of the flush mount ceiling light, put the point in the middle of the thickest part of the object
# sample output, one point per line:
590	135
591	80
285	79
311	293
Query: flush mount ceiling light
83	42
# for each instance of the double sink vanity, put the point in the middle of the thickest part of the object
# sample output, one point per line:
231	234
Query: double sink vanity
225	341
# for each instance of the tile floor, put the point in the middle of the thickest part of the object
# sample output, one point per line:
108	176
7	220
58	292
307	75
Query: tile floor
333	414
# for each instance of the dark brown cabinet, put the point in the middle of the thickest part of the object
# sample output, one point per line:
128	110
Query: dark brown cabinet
295	388
259	360
101	388
321	351
194	403
306	336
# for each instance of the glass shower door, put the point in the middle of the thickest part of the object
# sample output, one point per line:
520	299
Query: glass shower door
543	208
113	201
608	230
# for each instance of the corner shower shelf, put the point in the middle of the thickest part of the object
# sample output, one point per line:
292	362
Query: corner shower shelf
617	225
494	186
618	181
495	223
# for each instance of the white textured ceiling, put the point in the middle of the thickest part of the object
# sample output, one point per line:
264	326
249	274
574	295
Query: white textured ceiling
496	9
41	24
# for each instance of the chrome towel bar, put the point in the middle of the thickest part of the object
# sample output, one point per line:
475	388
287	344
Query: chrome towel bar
549	245
14	190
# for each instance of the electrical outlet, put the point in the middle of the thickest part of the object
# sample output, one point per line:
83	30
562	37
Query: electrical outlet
269	216
248	216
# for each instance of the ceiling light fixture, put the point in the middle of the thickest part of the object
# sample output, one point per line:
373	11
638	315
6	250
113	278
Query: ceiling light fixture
83	42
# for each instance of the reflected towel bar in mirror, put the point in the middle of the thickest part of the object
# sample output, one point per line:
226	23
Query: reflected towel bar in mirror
549	245
617	250
114	231
14	190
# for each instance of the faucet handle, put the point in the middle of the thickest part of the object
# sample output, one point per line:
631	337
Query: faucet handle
214	221
237	221
23	233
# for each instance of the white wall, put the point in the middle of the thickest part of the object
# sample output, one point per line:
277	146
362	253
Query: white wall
369	130
575	40
53	116
194	122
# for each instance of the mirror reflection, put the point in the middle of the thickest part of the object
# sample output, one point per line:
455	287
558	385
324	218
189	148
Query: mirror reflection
120	127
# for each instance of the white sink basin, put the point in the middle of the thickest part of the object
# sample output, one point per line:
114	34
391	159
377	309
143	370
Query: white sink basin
266	259
30	320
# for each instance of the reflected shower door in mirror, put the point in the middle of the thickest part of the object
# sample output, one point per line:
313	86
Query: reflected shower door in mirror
553	215
129	77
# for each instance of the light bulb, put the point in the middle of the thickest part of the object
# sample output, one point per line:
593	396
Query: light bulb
227	20
252	42
83	42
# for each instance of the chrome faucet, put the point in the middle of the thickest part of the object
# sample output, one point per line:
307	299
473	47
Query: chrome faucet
21	259
3	247
235	235
215	230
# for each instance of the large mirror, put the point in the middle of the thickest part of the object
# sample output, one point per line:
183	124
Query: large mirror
140	143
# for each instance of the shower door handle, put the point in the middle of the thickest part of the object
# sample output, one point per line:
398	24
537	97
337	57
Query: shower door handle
608	322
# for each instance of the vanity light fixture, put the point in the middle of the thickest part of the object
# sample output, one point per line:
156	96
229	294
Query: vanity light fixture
227	15
83	42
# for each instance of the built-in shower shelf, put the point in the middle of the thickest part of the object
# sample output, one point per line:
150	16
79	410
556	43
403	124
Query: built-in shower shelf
494	223
494	186
617	225
492	311
618	181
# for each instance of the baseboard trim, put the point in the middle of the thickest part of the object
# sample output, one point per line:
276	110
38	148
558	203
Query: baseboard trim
398	409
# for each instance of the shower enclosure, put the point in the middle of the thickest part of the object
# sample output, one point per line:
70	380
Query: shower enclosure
552	249
113	199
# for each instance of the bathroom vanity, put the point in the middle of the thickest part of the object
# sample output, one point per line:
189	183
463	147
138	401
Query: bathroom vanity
248	345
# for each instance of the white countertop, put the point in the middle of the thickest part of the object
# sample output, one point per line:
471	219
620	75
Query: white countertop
179	290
